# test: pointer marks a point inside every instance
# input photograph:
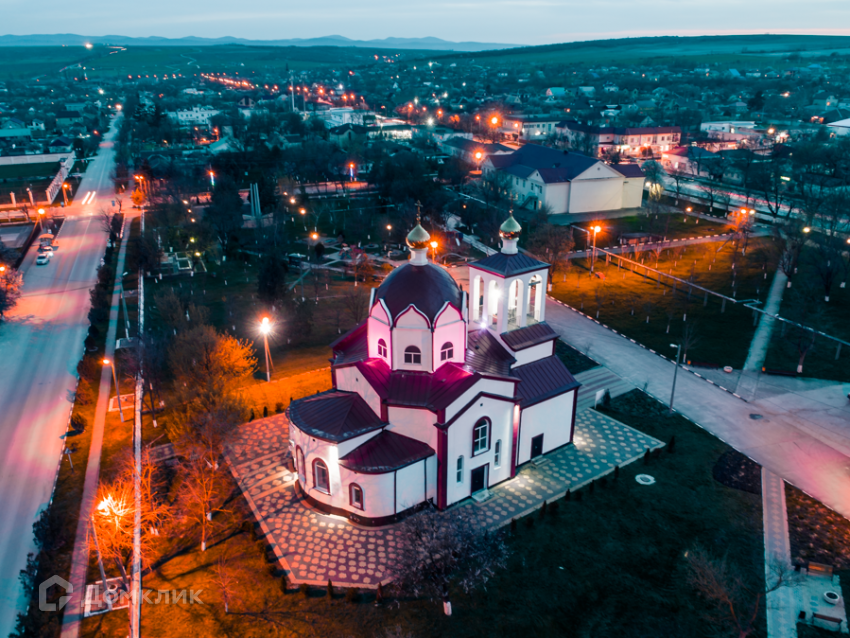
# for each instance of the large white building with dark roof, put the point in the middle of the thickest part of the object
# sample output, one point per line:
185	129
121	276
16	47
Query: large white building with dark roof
436	397
565	181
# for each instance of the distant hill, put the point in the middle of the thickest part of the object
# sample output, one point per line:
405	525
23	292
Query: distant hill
70	39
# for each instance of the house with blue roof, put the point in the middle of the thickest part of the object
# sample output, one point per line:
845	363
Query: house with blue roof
567	182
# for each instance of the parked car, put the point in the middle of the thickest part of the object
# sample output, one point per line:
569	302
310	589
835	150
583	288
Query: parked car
42	259
45	249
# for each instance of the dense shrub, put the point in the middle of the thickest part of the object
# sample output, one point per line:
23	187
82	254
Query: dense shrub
79	423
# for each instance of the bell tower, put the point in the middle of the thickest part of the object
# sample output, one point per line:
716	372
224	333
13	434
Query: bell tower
508	288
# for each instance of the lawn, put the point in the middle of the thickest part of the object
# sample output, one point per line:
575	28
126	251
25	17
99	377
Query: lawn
592	567
574	360
829	317
654	314
672	225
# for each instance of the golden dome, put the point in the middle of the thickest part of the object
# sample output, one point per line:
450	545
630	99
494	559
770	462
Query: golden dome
511	228
418	238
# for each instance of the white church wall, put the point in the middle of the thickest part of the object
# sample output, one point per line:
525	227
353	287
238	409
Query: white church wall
489	386
410	485
552	419
378	327
344	447
450	328
431	464
377	493
411	329
349	379
459	444
534	353
416	423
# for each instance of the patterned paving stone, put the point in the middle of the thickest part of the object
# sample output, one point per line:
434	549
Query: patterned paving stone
314	547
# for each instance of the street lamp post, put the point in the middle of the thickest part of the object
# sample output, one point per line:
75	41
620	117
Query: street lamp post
265	328
106	595
107	362
678	347
596	229
434	251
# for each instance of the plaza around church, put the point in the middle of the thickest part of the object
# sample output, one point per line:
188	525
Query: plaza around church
313	547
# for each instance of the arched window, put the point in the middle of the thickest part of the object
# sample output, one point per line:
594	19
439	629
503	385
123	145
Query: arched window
481	437
459	476
447	351
355	494
321	478
535	300
299	466
412	354
497	454
382	348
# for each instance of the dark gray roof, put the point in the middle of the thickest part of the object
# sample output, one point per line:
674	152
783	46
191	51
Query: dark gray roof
333	415
509	265
528	336
427	287
628	170
543	380
386	452
486	355
553	165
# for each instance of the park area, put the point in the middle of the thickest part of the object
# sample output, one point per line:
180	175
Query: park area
656	311
591	563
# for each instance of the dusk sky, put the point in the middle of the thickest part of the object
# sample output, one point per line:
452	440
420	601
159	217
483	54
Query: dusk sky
503	21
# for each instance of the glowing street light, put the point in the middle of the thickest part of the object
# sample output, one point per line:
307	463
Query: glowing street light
265	329
807	230
107	362
596	229
434	248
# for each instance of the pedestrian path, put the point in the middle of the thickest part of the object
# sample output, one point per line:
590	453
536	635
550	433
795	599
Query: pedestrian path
781	604
772	433
313	547
596	380
80	557
761	338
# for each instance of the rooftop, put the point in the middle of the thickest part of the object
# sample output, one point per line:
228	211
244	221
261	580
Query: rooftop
385	452
333	415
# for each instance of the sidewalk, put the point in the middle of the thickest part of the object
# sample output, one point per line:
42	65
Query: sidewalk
80	560
780	604
804	437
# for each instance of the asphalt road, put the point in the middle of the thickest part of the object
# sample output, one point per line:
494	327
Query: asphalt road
40	346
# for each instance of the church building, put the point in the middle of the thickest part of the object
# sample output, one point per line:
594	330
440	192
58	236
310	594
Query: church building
436	397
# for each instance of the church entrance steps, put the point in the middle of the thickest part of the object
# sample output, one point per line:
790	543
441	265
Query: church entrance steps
596	380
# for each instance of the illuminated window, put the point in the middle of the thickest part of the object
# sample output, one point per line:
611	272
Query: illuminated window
481	437
412	354
382	348
447	352
356	495
321	479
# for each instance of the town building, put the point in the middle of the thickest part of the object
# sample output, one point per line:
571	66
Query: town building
436	397
196	116
564	181
640	141
472	151
530	127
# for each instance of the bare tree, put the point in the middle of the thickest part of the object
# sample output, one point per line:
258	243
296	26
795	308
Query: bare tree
438	550
355	302
710	191
553	244
803	308
225	581
11	282
734	602
788	239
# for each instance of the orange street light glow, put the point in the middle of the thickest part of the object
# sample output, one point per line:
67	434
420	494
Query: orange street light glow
433	244
106	362
596	229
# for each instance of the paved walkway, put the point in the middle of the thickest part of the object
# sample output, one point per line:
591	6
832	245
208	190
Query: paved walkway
314	547
80	558
761	338
802	435
781	604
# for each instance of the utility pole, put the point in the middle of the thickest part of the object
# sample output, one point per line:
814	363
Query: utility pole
106	595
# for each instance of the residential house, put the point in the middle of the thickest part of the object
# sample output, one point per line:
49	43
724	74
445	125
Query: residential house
196	116
529	127
564	181
68	118
638	141
471	151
